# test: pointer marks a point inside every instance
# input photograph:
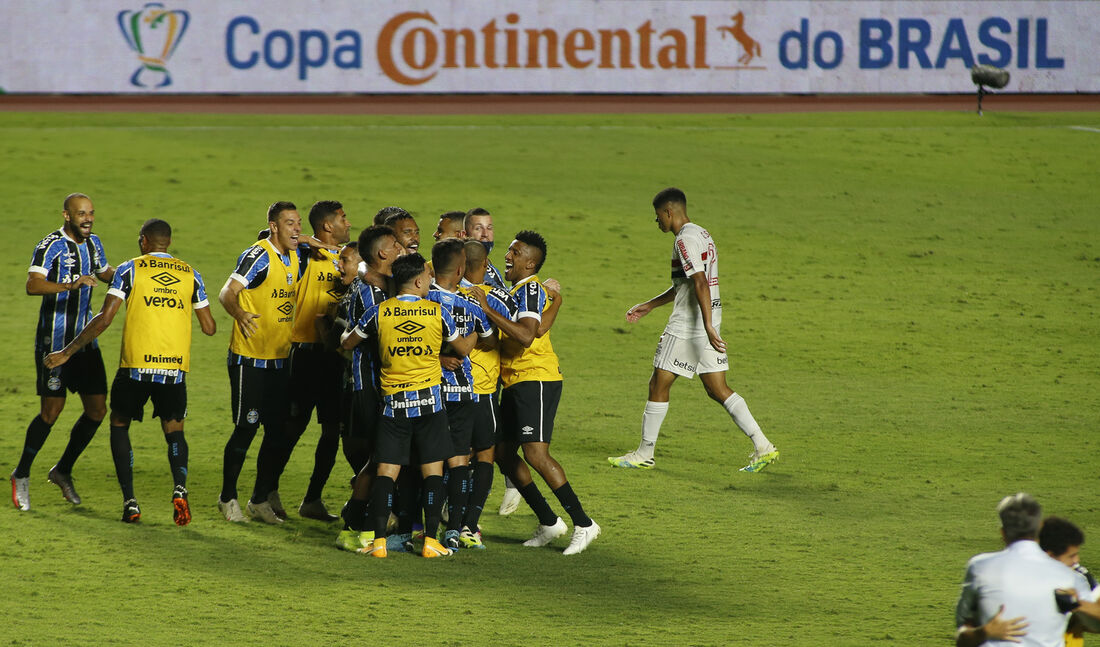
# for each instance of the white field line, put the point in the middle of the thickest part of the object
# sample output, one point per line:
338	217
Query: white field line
1087	129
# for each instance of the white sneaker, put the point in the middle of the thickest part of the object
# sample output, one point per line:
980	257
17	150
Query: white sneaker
581	538
546	534
264	512
231	510
21	492
631	460
276	504
510	502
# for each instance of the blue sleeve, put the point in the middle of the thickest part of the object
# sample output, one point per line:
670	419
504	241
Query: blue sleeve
200	288
252	266
368	323
124	278
45	255
99	263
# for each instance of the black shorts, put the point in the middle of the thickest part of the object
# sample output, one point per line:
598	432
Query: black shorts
259	396
83	374
316	380
461	417
362	410
427	434
128	398
486	422
527	411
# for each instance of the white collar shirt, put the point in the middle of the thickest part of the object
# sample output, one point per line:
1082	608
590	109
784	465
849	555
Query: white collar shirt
1023	578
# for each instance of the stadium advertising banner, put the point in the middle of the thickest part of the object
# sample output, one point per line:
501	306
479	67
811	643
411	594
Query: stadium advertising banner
548	46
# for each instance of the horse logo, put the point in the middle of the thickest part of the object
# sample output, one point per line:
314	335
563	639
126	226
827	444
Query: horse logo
750	47
154	33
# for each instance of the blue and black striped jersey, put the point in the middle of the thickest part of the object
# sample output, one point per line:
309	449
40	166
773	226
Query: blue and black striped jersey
62	260
364	359
458	386
494	278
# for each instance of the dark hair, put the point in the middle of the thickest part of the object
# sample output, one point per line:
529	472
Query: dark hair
321	211
534	239
384	213
397	217
352	245
370	239
1058	534
475	253
406	269
671	194
156	229
1020	515
70	197
476	211
445	254
275	209
455	216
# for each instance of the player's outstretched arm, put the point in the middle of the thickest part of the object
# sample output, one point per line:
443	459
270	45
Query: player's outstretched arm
997	628
642	309
206	321
228	298
37	285
702	296
95	326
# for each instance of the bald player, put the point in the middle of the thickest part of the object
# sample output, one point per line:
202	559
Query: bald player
64	268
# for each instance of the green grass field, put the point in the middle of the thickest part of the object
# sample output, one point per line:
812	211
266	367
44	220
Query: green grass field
911	306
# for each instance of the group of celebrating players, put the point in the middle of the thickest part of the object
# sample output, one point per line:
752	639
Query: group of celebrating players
409	362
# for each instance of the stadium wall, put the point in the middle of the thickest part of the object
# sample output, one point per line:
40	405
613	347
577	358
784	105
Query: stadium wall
547	46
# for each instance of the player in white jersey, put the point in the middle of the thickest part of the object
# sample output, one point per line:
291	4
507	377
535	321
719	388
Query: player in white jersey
691	343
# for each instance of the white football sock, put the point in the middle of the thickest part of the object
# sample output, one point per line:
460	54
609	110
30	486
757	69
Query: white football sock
651	427
739	411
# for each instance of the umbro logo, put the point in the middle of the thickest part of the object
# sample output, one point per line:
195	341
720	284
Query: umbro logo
408	327
165	279
528	430
286	308
333	293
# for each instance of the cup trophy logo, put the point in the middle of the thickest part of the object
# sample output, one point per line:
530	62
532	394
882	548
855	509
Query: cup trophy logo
154	33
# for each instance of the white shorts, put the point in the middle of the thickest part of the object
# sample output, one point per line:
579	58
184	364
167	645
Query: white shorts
688	356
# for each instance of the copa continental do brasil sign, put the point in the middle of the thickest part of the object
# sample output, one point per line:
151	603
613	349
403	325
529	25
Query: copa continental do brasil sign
618	46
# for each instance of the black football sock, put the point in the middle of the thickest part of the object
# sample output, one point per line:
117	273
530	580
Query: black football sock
381	500
482	483
123	455
236	448
269	462
37	432
81	435
572	505
433	504
538	504
458	494
323	460
292	432
177	457
407	499
355	515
